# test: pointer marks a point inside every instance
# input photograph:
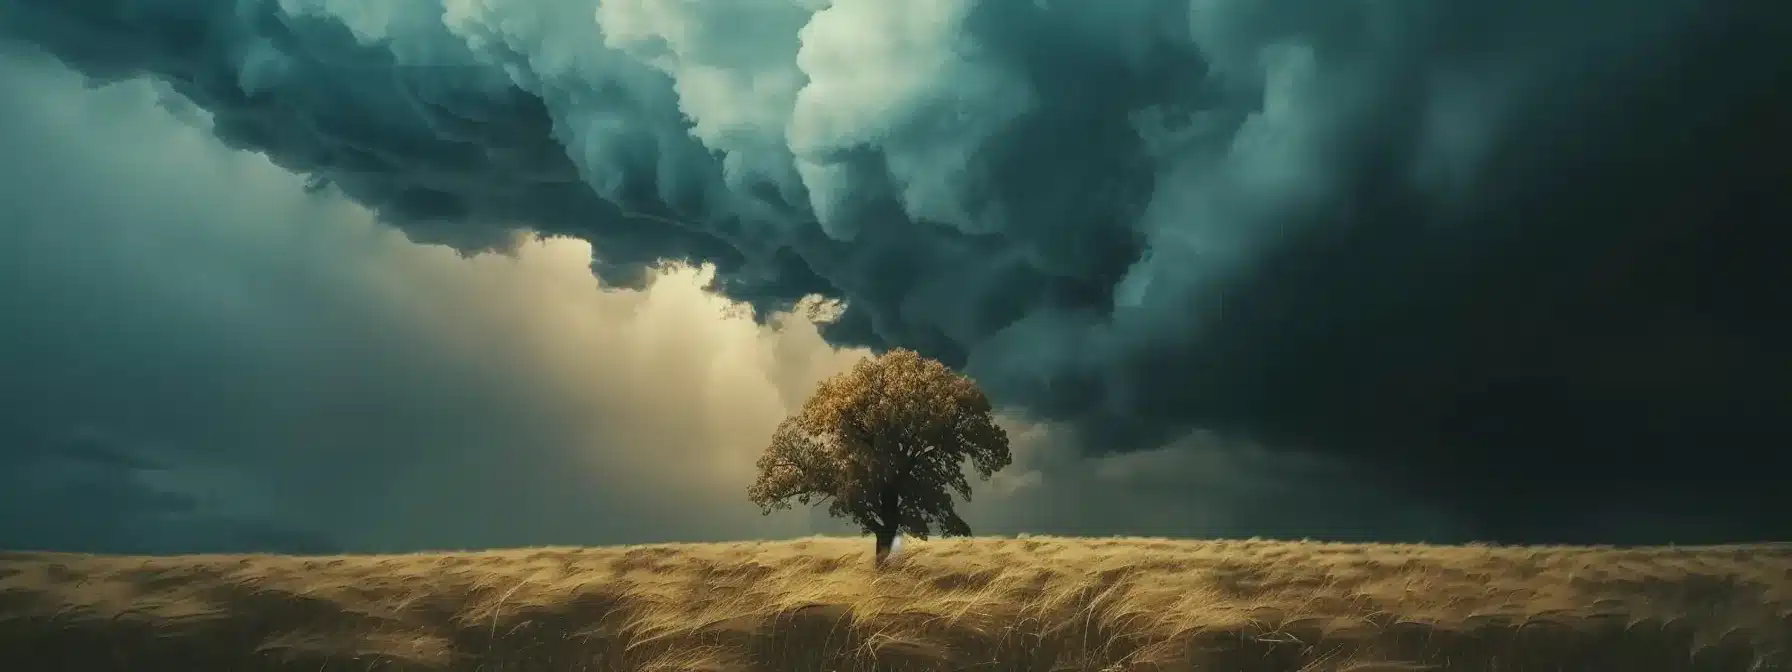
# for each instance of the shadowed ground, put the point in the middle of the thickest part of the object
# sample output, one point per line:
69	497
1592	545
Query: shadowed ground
1029	604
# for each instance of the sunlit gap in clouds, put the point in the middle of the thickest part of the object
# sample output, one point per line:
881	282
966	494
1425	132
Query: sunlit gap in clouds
669	393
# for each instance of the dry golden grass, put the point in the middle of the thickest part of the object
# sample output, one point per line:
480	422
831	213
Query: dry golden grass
1033	604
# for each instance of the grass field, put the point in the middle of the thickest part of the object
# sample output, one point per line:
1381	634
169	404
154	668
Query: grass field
1033	604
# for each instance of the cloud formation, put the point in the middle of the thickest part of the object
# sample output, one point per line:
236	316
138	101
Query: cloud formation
1515	258
208	341
211	359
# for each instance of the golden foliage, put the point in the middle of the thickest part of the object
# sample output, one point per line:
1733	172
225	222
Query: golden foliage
898	425
1007	605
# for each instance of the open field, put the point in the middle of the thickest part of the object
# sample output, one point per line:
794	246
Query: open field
1032	604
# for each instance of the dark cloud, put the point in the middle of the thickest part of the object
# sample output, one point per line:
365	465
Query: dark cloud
209	359
86	491
1522	259
1197	486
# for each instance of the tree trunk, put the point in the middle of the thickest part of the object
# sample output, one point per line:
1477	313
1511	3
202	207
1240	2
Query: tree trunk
886	538
889	513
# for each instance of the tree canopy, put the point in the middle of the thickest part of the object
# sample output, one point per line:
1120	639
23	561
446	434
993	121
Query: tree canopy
885	445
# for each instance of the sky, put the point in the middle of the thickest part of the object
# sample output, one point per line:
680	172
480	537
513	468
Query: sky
316	276
213	359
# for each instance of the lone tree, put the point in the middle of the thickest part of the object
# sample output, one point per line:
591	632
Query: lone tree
881	444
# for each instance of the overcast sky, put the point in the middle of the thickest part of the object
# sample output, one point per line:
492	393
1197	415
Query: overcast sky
274	272
208	357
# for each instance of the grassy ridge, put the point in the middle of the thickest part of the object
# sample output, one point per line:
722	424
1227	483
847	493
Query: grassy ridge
1030	604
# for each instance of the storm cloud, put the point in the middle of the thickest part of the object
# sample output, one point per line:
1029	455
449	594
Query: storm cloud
209	358
1522	260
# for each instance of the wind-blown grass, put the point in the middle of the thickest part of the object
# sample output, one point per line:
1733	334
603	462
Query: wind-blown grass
1029	604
